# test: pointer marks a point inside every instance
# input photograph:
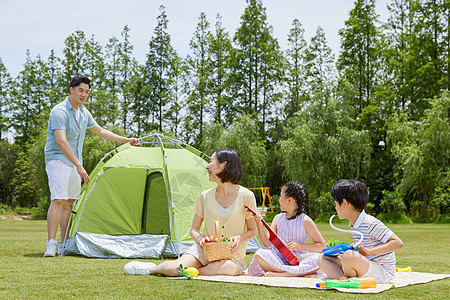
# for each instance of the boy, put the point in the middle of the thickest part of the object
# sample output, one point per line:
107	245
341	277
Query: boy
375	256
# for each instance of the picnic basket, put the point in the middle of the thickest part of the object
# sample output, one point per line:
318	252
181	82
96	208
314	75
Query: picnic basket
217	250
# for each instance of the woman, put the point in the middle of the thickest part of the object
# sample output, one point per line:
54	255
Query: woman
224	203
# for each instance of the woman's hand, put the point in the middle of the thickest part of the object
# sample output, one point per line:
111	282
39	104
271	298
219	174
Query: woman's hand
236	240
202	240
294	246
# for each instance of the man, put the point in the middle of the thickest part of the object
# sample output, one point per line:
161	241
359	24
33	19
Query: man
63	156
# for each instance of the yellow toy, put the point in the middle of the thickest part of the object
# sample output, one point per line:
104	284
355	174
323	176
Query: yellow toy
192	271
408	269
189	273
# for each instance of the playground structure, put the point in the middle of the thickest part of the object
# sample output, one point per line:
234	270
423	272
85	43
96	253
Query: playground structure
264	194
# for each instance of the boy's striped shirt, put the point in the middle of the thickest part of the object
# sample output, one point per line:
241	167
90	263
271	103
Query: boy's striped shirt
375	234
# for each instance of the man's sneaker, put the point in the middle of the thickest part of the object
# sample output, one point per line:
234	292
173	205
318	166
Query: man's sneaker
138	268
51	248
61	247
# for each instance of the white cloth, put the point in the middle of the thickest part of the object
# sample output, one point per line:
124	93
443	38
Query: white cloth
224	213
78	115
63	180
287	230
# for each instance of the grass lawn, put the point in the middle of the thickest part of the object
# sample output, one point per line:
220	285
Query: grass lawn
25	273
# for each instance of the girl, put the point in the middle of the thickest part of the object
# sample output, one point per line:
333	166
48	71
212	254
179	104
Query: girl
224	203
294	226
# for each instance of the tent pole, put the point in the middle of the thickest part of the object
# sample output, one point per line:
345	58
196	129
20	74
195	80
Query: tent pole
170	199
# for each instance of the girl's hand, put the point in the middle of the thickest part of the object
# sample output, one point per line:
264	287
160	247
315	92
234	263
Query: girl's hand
236	240
364	251
258	219
294	246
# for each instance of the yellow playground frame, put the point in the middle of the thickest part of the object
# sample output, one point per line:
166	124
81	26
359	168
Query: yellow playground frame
265	193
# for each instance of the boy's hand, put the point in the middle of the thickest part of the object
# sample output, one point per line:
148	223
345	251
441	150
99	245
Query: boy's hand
364	251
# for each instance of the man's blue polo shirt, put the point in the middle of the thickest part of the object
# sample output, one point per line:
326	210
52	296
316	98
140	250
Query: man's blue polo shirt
62	116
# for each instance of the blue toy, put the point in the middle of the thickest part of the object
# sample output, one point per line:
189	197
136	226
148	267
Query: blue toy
342	247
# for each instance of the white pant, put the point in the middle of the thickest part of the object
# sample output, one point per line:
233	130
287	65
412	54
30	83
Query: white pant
63	180
376	271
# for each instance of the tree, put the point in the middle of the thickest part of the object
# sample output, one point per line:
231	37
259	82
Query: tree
103	103
120	62
159	71
358	60
319	68
422	150
29	101
5	90
417	53
199	71
241	137
257	65
220	48
173	115
75	59
139	105
296	71
323	145
55	86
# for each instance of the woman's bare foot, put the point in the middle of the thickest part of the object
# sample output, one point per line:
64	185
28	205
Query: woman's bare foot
343	278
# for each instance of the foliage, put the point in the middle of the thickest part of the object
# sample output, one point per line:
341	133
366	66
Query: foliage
322	147
394	218
332	242
443	219
242	138
392	202
325	218
422	150
321	204
379	114
4	209
276	209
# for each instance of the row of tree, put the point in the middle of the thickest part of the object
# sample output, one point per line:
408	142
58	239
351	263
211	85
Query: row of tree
379	112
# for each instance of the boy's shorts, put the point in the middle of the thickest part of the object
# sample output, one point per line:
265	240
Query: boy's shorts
196	251
63	180
378	272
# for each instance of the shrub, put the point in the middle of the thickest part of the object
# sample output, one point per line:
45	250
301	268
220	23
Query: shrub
325	218
392	202
440	206
394	218
38	213
5	209
322	204
18	210
276	209
443	219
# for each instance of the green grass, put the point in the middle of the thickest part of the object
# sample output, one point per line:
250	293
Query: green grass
24	273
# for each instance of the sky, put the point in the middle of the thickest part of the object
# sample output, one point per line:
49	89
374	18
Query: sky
43	25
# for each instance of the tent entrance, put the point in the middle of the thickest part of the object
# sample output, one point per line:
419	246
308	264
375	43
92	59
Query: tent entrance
155	211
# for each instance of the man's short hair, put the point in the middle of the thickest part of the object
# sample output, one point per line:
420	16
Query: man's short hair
354	191
77	80
233	168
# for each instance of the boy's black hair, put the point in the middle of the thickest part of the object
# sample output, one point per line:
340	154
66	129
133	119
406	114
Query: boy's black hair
300	194
77	80
354	191
233	168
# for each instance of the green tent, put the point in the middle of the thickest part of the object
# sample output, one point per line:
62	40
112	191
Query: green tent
139	201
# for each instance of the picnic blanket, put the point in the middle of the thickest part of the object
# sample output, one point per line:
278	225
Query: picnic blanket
401	279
